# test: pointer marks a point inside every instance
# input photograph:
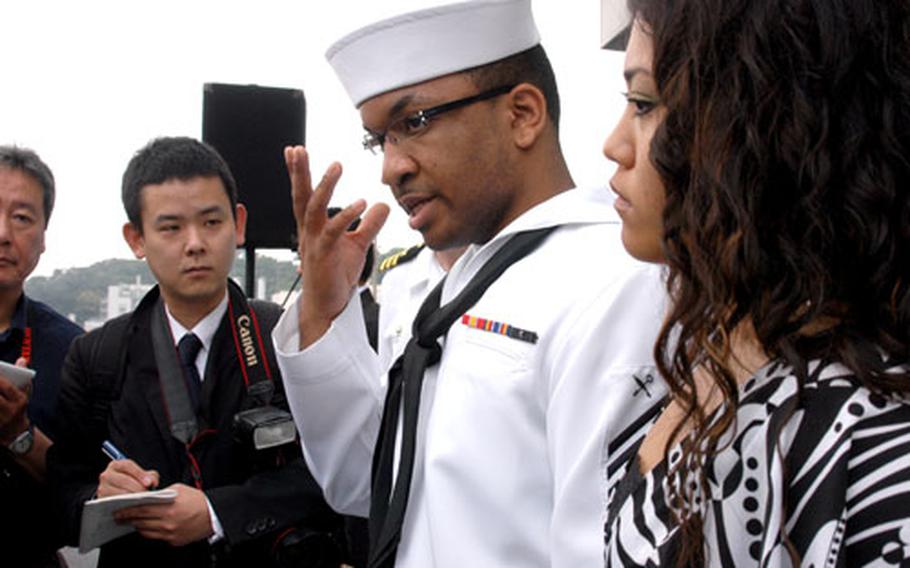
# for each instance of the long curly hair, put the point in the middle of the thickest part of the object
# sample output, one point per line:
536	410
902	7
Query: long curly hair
785	153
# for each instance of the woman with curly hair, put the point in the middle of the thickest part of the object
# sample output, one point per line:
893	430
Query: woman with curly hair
764	158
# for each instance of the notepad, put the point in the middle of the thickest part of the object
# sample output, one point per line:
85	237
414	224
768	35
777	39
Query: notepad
98	524
19	376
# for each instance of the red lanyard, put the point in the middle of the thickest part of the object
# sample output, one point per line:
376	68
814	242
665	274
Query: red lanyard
27	346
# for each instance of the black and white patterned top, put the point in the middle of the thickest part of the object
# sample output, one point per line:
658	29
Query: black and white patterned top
830	469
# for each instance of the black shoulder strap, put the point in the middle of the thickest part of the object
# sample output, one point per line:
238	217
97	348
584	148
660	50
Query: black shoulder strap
252	356
108	360
180	413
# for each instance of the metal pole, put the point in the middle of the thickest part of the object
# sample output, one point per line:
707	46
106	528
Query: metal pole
250	273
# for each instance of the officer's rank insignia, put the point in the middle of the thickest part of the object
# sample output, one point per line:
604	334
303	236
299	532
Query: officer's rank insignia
500	328
400	257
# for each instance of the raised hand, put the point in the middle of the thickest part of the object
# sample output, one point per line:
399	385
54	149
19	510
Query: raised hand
331	257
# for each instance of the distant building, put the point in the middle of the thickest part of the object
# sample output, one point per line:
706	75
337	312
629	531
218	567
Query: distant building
260	288
123	298
92	324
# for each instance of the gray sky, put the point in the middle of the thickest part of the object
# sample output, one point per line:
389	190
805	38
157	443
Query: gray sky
87	83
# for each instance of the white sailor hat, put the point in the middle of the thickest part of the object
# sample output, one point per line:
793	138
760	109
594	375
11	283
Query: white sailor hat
427	44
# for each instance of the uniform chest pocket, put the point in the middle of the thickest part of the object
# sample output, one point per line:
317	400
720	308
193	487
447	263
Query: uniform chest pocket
489	351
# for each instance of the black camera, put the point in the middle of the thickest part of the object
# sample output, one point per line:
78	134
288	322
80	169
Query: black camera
310	549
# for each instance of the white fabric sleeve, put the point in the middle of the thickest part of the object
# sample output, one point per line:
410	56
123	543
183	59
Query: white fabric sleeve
593	394
335	393
217	529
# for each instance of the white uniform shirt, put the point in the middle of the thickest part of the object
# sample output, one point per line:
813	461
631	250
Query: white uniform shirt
512	436
403	289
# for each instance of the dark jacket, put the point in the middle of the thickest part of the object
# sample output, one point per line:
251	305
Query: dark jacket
110	390
29	530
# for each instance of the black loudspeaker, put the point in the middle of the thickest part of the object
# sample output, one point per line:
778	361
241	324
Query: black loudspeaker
250	126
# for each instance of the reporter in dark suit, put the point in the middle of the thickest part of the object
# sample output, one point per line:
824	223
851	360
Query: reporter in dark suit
165	383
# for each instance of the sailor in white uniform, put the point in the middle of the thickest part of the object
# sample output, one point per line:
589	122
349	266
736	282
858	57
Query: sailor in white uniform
504	463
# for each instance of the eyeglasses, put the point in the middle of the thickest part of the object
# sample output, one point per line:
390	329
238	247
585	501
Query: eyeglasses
416	123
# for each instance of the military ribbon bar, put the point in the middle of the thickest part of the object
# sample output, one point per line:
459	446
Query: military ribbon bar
500	328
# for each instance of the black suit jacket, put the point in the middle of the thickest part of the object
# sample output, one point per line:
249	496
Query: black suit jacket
256	497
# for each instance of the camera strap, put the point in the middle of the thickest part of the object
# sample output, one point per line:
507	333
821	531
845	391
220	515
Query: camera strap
29	314
250	352
171	378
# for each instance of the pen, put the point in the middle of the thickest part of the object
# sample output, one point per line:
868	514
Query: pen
111	451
